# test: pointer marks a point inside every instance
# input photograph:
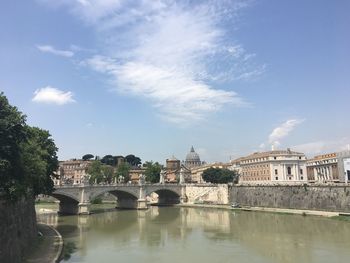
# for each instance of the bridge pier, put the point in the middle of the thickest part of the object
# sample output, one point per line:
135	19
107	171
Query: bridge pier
132	204
84	208
142	204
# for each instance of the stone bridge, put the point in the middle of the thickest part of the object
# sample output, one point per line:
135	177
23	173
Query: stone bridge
77	199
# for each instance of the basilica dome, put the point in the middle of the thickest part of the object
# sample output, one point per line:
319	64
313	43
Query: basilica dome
192	159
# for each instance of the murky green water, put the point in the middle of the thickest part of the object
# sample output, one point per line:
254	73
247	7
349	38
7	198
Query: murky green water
170	234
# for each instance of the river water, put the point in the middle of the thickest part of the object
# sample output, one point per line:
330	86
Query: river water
174	234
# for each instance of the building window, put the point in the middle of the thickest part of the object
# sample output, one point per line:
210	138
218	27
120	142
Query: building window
302	177
301	171
299	157
276	171
289	170
276	177
274	158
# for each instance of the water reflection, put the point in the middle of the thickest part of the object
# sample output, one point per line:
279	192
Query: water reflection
206	235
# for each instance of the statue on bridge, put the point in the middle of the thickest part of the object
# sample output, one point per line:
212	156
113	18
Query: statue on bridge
121	179
182	176
142	179
162	176
85	180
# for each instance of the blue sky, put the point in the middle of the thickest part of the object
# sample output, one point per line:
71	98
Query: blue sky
154	77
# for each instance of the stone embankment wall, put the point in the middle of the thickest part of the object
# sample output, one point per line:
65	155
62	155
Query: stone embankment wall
335	197
18	229
207	193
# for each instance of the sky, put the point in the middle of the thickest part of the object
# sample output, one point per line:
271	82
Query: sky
154	77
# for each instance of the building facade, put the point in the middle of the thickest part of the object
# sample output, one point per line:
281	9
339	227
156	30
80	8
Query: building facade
135	174
235	165
330	167
172	167
71	172
343	159
277	166
323	168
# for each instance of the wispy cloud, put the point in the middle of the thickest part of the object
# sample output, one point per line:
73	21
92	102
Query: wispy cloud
52	95
174	53
179	97
283	131
52	50
323	146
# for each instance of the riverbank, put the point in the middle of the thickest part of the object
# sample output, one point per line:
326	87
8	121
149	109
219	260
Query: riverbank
271	210
49	247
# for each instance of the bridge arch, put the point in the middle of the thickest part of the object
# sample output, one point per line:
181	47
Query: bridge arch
166	196
65	197
127	198
119	193
69	203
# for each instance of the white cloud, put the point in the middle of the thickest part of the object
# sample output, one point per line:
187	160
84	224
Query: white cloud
283	130
262	146
52	50
52	95
323	146
179	97
91	11
170	52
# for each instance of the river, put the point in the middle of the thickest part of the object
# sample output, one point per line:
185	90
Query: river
174	234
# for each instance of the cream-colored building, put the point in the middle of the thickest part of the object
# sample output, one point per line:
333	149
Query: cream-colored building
135	174
278	166
71	172
196	172
235	165
323	168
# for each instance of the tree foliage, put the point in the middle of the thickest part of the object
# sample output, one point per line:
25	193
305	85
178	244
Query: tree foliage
109	160
108	173
100	172
27	155
87	157
219	176
123	170
95	172
152	172
133	160
39	160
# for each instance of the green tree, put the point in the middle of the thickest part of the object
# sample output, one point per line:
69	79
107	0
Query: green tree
152	172
108	173
219	176
133	160
39	160
123	170
27	155
87	157
109	160
13	133
95	172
